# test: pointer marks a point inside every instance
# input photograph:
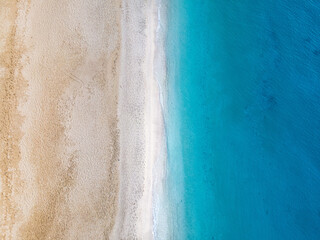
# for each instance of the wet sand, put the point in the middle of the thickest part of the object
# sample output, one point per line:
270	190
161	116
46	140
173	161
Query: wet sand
140	122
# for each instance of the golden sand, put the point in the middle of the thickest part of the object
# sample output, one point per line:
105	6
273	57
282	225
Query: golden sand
79	119
11	90
48	63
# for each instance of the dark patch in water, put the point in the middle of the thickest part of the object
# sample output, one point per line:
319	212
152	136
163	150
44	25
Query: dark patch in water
316	52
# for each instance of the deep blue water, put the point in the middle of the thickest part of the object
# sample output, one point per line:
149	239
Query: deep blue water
243	119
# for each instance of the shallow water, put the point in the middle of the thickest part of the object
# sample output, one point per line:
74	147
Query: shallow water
243	119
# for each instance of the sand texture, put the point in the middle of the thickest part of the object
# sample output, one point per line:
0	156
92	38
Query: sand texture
140	122
77	104
74	122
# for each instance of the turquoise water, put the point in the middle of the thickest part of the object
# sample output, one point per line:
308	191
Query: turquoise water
243	119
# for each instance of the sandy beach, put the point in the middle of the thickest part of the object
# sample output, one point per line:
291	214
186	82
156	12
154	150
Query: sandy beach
79	119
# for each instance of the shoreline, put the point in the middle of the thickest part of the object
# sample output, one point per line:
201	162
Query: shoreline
139	123
160	203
